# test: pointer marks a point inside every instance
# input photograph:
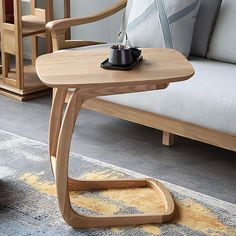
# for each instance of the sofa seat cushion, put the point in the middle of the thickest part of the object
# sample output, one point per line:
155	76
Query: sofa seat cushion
207	100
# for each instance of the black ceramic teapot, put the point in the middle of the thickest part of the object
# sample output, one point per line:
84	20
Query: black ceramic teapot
121	54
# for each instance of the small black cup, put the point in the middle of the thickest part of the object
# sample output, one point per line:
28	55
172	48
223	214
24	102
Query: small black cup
120	55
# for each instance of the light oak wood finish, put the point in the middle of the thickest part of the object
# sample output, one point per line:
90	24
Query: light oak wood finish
167	139
26	97
34	25
71	69
81	72
60	135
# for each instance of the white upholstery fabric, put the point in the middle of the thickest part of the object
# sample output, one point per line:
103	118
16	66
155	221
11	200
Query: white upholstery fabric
204	26
223	42
127	13
208	99
162	24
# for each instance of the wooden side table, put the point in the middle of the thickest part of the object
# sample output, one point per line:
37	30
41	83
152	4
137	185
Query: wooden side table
80	71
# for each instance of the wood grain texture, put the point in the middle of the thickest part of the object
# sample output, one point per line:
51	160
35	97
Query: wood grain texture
25	97
61	130
56	119
81	72
33	25
31	82
12	44
167	139
70	69
64	24
87	83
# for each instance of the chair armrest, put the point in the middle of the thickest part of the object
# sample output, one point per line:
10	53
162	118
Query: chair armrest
58	28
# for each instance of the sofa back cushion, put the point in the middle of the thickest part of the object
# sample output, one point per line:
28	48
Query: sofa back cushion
204	25
127	13
162	23
223	42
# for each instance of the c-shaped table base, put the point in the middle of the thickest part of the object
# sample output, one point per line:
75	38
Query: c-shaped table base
60	135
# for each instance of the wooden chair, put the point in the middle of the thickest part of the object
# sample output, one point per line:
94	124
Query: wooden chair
22	82
59	28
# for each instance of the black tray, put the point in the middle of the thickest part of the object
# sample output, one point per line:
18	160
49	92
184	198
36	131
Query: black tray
108	66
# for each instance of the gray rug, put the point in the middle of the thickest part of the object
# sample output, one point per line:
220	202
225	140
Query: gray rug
28	203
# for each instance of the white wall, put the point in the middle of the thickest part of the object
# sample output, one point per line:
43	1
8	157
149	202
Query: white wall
105	30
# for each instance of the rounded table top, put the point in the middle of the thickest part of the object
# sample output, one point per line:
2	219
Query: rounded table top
81	68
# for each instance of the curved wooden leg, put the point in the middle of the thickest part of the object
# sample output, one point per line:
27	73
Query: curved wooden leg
59	96
61	130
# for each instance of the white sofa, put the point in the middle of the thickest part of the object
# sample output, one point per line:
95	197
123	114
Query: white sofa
202	108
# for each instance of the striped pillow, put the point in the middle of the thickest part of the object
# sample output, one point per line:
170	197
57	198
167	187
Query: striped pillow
162	23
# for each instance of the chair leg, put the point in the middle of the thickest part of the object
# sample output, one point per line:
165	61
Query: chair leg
34	49
167	139
5	64
19	67
67	14
48	41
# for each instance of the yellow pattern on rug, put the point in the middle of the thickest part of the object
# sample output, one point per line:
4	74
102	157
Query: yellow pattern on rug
189	212
88	202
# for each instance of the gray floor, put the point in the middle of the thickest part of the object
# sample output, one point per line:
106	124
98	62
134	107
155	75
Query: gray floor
190	164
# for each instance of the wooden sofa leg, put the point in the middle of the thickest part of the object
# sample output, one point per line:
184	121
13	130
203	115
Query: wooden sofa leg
167	139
